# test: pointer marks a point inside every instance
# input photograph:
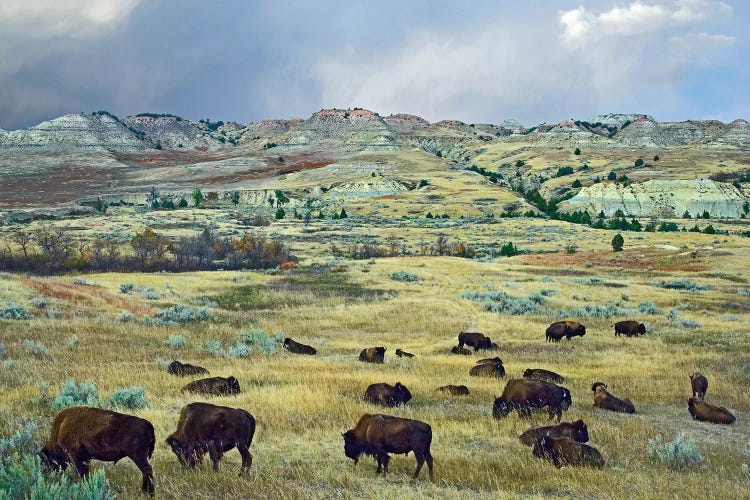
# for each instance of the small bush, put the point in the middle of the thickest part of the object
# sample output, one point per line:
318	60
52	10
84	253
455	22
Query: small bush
205	302
52	314
40	301
126	288
14	311
131	398
744	292
36	349
80	281
238	351
9	364
3	351
508	250
176	315
176	341
503	303
72	341
72	394
649	307
690	324
608	310
679	454
214	347
151	295
682	285
258	340
404	276
125	317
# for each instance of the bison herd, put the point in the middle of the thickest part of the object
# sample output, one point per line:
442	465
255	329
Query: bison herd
80	433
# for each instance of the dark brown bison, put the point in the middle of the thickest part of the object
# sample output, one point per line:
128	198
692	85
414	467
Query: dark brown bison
388	395
184	369
567	329
82	433
496	359
544	375
474	339
577	431
607	401
700	410
629	328
456	390
527	395
297	348
494	369
379	435
214	386
373	355
403	354
700	385
563	451
460	350
214	429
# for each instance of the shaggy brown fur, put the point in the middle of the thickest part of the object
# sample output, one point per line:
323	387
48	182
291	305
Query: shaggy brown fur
705	412
388	395
373	355
567	329
456	390
563	451
183	369
474	339
577	431
544	375
214	386
629	328
493	369
297	348
607	401
526	395
700	385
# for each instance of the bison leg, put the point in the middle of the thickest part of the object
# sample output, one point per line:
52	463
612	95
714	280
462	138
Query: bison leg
385	458
247	458
147	486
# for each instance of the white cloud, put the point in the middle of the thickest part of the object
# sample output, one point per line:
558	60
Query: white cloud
688	11
576	26
632	20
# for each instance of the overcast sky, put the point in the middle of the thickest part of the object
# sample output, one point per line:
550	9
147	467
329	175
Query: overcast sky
537	60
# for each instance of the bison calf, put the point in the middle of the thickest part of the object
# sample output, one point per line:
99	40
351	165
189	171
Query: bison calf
297	348
214	386
373	355
184	369
81	433
567	329
705	412
544	375
388	395
492	369
403	354
456	390
563	451
214	429
629	328
605	400
577	431
460	350
379	435
700	385
527	395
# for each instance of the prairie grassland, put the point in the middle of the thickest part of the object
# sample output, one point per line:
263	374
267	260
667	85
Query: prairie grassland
303	404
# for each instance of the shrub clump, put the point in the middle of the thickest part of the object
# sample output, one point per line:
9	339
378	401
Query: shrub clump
608	310
72	341
151	295
503	303
682	285
125	316
131	398
404	276
126	288
176	315
176	341
72	394
679	454
745	292
3	351
258	340
649	307
36	349
14	311
40	301
214	347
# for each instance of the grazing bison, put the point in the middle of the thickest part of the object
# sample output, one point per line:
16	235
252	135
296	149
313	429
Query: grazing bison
544	375
388	395
214	386
577	431
379	435
700	385
629	328
493	369
297	348
456	390
475	340
563	451
80	433
705	412
527	395
214	429
184	369
460	350
373	355
403	354
496	359
567	329
606	401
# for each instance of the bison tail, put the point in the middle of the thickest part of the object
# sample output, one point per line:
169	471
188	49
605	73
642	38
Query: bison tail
152	444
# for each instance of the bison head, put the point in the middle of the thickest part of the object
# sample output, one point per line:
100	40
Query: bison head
642	329
580	431
401	394
528	373
566	400
579	331
500	408
186	456
598	384
233	385
353	448
494	347
174	368
287	341
53	460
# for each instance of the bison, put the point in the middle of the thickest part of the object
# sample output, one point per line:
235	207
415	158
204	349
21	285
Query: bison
705	412
184	369
564	451
527	395
297	348
80	433
373	355
475	340
577	431
403	354
214	386
629	328
496	359
379	435
460	350
567	329
493	369
388	395
214	429
605	400
456	390
700	385
543	375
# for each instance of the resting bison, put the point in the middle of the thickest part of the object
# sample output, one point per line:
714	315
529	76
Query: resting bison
184	369
563	451
388	395
379	435
629	328
456	390
496	359
403	354
705	412
700	385
577	431
297	348
526	395
214	386
214	429
460	350
372	355
80	433
605	400
567	329
544	375
475	340
493	369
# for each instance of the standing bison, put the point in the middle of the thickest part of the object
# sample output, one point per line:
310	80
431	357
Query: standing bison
705	412
214	429
563	451
543	375
373	355
475	340
577	431
526	395
629	328
183	369
82	433
388	395
379	435
214	386
567	329
605	400
297	348
491	369
700	385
